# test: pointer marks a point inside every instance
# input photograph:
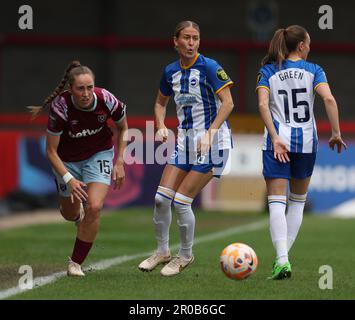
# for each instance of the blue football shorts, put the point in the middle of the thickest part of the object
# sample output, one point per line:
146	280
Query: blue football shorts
217	161
300	166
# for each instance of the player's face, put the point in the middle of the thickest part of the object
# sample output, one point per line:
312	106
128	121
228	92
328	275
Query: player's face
83	90
187	43
305	47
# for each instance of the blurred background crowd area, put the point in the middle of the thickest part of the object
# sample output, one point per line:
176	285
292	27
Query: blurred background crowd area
127	44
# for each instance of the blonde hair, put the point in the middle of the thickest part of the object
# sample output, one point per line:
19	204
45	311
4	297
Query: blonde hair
185	24
283	43
73	69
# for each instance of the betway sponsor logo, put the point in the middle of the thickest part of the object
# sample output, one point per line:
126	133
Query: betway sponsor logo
85	133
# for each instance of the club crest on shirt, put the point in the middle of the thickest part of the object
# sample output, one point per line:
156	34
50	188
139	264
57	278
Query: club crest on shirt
193	82
102	117
222	75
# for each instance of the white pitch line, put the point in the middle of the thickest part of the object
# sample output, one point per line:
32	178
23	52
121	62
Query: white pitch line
105	264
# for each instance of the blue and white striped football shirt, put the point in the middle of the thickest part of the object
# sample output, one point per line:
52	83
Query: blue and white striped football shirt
292	91
195	90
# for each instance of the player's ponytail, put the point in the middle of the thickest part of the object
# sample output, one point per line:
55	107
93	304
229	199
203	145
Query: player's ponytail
36	110
283	43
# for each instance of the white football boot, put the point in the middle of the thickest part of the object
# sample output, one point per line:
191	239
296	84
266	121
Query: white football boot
176	265
155	259
74	269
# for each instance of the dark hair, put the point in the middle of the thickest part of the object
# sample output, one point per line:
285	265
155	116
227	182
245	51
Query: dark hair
283	43
184	24
73	69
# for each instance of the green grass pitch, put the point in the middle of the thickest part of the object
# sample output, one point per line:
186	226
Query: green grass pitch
129	232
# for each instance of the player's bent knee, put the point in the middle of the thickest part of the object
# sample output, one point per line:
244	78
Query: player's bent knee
161	201
164	197
94	208
158	200
91	217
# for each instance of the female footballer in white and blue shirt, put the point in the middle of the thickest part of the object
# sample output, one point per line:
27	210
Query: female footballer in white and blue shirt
286	88
201	91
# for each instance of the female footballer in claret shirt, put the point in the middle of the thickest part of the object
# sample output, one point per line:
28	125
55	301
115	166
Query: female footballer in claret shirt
80	150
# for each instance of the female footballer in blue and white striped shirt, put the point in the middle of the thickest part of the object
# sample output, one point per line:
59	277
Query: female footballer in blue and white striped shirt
286	88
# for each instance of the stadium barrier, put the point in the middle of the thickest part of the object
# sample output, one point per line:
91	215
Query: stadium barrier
24	169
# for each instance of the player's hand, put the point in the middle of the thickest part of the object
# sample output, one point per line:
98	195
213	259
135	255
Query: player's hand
280	151
77	190
163	133
338	141
118	175
204	145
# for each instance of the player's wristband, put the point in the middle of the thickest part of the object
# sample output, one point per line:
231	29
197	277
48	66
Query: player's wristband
120	160
67	177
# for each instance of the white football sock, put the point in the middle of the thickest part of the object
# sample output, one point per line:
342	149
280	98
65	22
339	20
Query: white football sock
186	223
162	218
294	216
278	226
